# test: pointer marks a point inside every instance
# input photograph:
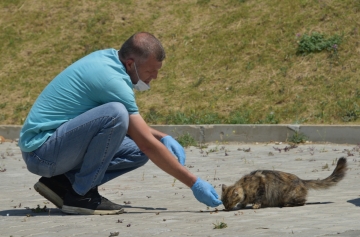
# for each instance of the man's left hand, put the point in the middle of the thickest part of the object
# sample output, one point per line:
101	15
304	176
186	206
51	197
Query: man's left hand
175	148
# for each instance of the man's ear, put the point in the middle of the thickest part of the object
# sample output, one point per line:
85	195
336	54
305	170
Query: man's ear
129	64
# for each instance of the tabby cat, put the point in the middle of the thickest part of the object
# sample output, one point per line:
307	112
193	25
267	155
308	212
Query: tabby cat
270	188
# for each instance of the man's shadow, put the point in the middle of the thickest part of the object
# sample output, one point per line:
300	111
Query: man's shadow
29	212
355	201
57	212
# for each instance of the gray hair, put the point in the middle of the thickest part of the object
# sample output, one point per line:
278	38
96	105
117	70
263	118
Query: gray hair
142	45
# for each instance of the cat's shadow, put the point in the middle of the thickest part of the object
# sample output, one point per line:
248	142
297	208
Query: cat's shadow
317	203
306	204
355	201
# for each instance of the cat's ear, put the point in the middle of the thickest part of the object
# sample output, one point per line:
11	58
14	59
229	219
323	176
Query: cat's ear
223	187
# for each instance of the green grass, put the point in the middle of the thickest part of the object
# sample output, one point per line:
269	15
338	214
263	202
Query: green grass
316	42
228	62
220	225
297	138
186	140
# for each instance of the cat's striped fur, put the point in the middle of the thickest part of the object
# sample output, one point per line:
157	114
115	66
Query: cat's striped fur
270	188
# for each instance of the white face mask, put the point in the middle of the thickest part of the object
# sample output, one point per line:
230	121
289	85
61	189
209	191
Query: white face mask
140	85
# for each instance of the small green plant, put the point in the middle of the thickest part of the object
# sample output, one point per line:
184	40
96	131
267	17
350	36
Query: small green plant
269	119
239	117
298	137
153	116
323	150
316	42
334	161
186	140
38	209
220	225
325	167
215	149
349	110
202	145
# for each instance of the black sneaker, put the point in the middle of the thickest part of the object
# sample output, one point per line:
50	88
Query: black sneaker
53	189
92	203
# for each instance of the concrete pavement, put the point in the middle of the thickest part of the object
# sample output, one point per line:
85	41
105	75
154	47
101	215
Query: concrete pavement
158	205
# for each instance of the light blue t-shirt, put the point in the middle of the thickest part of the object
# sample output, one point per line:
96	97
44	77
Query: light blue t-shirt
93	80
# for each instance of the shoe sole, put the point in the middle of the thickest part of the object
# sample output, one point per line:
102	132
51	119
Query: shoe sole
47	193
84	211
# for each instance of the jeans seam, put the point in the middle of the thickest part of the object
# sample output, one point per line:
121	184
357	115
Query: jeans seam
82	125
105	152
33	159
41	160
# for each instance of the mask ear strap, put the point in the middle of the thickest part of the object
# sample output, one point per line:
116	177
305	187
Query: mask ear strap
136	72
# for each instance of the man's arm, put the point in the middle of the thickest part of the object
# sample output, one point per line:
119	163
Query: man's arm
148	143
141	133
157	134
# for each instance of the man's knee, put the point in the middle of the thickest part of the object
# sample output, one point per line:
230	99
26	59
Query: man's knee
116	109
143	161
119	114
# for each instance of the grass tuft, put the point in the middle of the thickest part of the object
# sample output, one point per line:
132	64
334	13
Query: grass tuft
316	42
298	137
186	140
220	225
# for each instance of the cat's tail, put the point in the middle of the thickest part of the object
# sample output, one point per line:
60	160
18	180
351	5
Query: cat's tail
337	175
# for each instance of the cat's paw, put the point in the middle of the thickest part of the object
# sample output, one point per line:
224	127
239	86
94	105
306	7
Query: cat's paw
256	206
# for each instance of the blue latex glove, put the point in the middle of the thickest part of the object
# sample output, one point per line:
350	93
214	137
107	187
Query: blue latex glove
205	193
175	148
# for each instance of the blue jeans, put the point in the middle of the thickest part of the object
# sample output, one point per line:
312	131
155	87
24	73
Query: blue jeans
90	149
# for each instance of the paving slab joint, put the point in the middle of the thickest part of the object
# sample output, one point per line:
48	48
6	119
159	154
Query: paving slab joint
295	128
202	134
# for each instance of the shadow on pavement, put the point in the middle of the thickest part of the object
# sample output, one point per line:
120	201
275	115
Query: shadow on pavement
146	208
25	212
316	203
355	201
250	206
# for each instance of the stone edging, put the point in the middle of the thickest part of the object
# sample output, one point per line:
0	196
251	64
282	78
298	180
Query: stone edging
340	134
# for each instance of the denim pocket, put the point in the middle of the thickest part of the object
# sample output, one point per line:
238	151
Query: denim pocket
38	166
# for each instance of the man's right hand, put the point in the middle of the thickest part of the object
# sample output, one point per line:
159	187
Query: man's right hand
205	193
